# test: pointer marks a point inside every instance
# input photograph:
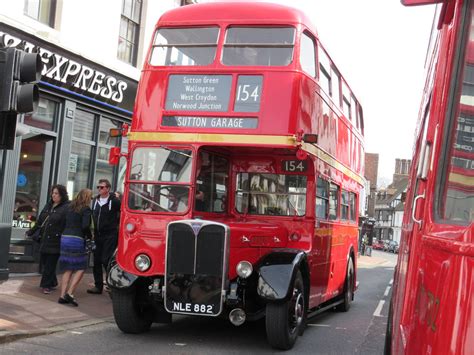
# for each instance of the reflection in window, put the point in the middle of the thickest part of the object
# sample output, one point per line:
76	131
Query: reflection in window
83	125
352	205
307	55
79	167
211	183
268	46
322	199
184	46
158	197
345	205
161	164
333	202
457	192
122	166
104	131
44	115
271	194
151	170
30	172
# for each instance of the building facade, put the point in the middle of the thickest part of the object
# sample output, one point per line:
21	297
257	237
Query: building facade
91	53
389	203
371	173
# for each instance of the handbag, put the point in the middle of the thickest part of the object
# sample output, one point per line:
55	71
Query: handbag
90	246
36	235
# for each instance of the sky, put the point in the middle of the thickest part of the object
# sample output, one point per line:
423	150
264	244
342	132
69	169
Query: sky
380	48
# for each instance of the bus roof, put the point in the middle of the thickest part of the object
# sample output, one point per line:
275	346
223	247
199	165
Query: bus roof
242	13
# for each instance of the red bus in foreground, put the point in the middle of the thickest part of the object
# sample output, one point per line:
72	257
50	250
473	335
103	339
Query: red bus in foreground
244	172
432	306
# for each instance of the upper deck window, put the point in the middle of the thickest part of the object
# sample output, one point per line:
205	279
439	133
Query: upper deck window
307	55
265	46
184	46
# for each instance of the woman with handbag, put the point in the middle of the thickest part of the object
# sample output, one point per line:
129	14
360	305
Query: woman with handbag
73	259
48	230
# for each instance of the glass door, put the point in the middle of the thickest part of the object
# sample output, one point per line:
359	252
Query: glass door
32	190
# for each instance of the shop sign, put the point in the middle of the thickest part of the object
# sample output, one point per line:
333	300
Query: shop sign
70	72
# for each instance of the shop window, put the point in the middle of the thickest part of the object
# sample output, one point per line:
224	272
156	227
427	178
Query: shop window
44	116
129	31
83	125
43	11
79	167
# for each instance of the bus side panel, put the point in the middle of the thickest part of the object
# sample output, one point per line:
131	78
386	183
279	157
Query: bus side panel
443	304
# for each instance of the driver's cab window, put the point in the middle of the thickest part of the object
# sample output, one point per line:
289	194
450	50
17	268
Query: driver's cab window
211	183
456	193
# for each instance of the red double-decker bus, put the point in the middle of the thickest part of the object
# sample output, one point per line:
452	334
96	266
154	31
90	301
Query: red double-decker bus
432	308
244	174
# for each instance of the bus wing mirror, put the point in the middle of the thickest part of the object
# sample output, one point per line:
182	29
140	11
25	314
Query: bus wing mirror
114	155
117	132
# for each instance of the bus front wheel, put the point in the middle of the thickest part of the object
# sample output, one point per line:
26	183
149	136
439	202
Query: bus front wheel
284	321
130	316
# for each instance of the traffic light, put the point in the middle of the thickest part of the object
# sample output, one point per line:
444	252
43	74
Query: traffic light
19	72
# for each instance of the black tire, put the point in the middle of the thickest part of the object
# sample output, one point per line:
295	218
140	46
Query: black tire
387	349
286	320
348	288
129	315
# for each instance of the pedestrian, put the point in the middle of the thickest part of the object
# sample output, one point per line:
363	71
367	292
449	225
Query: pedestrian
51	221
73	259
106	217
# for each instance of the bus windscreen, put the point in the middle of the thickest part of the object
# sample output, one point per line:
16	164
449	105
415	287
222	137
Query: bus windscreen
188	46
260	46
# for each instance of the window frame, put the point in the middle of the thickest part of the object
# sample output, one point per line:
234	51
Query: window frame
335	198
135	42
51	13
291	45
308	36
323	198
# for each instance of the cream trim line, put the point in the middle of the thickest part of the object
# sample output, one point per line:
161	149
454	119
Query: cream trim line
289	141
329	159
212	138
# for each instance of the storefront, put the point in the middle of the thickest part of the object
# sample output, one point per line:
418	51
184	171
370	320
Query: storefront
67	140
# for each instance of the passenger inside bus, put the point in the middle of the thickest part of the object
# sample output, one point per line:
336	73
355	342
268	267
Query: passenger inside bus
211	183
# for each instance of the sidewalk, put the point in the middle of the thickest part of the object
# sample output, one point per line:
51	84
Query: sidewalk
370	261
26	312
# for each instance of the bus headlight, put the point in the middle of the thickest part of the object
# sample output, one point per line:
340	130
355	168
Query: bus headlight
142	262
244	269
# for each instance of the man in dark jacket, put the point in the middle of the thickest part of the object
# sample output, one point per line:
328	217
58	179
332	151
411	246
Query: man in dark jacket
106	216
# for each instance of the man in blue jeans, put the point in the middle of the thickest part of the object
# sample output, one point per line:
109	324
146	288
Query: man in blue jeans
106	216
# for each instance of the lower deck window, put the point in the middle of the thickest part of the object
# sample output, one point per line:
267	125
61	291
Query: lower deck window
158	198
271	194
